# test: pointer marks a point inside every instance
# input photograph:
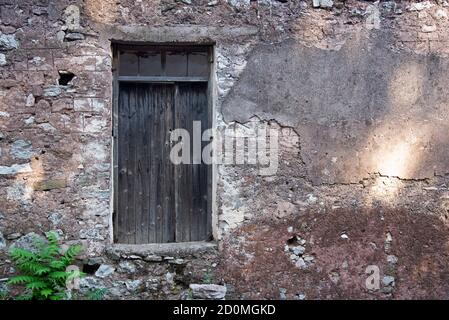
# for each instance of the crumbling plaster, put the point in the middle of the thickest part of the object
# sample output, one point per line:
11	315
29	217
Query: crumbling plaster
361	110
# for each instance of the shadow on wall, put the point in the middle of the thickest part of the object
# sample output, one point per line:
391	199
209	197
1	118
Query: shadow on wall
41	197
26	196
363	110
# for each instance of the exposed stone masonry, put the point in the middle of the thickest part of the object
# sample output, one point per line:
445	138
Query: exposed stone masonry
357	90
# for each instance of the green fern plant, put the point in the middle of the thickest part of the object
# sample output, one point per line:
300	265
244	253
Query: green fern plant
4	295
97	294
208	276
43	272
93	294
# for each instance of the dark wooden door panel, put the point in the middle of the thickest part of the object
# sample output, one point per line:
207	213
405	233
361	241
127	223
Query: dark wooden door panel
191	188
157	201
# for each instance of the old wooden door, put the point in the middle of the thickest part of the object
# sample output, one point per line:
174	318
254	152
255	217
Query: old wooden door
156	200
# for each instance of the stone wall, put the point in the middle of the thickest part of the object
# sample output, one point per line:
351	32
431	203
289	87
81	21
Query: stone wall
355	88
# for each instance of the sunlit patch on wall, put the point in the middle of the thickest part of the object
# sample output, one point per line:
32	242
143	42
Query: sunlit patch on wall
102	11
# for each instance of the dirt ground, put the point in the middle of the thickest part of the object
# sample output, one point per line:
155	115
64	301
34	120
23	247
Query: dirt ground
410	250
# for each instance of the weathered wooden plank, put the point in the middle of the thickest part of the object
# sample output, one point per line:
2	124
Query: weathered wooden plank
162	164
187	190
122	189
191	222
210	169
156	164
177	172
145	167
123	147
131	227
139	141
152	156
204	174
195	168
172	169
182	207
168	168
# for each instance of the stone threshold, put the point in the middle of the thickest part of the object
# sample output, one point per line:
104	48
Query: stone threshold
175	249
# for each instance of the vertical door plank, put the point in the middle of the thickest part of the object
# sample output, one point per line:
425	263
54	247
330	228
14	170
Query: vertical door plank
191	194
131	228
168	167
139	142
162	163
151	160
177	170
195	169
145	168
204	175
156	164
209	174
183	201
122	188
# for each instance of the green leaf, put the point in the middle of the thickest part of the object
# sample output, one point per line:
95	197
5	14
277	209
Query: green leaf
34	268
18	280
22	255
27	296
72	252
36	285
49	253
58	296
59	275
74	274
97	294
43	270
52	237
57	264
46	292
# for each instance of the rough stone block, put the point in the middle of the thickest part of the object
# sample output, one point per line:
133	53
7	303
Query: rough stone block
62	105
89	104
83	63
15	169
51	184
40	60
21	149
104	271
3	61
208	291
94	124
8	42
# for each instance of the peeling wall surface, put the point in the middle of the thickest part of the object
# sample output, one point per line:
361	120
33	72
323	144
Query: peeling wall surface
346	106
356	89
